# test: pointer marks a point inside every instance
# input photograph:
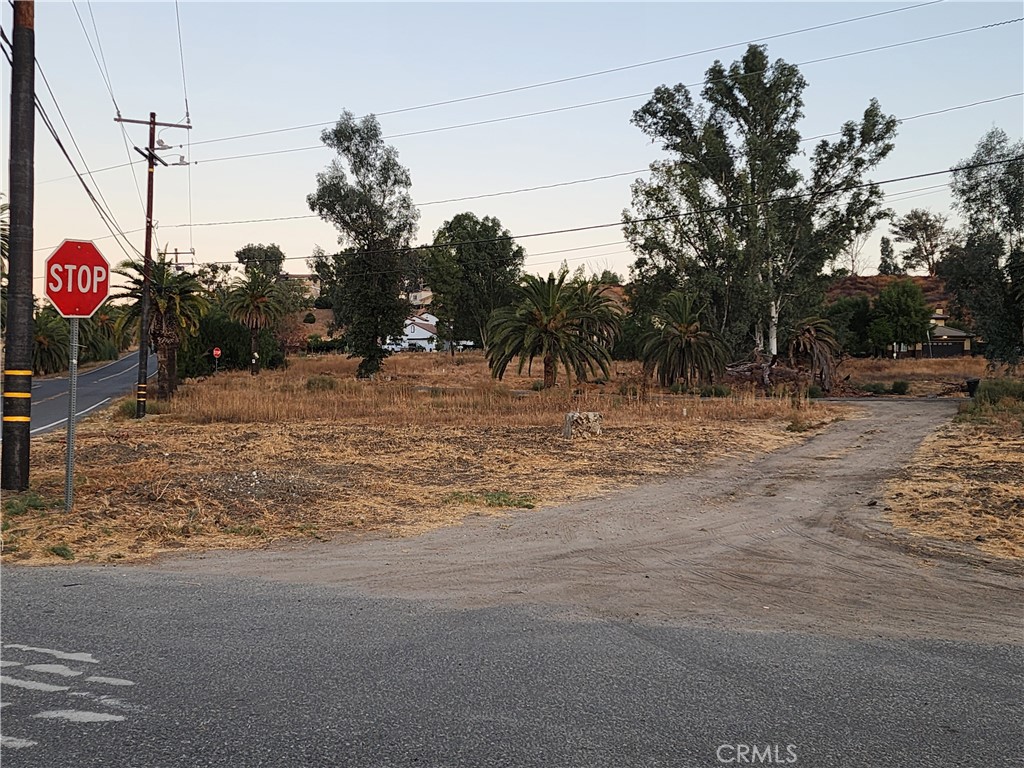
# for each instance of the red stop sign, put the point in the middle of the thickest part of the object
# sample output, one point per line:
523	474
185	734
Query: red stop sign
77	278
216	351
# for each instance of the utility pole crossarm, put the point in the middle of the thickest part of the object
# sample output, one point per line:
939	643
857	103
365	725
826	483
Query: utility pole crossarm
187	127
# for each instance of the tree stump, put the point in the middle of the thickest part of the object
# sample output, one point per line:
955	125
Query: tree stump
581	424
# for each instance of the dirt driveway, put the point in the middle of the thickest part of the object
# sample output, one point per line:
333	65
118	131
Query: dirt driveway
790	541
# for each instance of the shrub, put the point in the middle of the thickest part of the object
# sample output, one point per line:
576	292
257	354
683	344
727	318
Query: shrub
900	387
874	388
991	391
537	386
23	502
62	551
814	391
309	319
321	383
715	390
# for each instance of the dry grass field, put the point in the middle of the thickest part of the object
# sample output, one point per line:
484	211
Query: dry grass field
925	376
966	482
239	461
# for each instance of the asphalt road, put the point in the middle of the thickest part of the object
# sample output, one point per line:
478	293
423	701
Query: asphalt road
138	667
96	388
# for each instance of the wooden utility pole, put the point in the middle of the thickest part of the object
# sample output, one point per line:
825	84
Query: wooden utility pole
17	380
152	158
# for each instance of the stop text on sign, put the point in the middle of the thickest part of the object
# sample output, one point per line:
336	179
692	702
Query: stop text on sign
77	278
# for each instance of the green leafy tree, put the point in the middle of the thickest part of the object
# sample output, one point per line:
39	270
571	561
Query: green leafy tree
986	274
850	317
902	310
263	259
733	213
988	187
888	264
927	234
101	337
365	193
880	335
216	279
51	351
257	302
678	348
813	341
987	290
473	268
177	301
567	325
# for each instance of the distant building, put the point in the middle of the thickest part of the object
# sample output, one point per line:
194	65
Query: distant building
944	341
421	298
420	333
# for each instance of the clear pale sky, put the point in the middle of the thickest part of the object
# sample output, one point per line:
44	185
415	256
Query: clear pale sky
261	66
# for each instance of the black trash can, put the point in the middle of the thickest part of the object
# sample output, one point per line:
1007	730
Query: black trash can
972	386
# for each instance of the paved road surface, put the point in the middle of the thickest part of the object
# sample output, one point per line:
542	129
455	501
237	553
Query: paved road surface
97	387
494	645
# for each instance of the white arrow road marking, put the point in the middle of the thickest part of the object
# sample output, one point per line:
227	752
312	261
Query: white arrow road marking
54	669
78	716
15	743
108	680
65	655
30	684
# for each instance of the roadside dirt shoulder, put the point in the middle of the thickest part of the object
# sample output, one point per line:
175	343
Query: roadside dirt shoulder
792	541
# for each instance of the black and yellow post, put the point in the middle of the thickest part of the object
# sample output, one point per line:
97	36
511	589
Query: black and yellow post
17	380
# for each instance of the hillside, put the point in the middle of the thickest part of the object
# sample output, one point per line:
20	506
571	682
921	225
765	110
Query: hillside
871	285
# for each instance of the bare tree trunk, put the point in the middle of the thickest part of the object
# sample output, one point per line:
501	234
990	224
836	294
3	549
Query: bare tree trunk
773	329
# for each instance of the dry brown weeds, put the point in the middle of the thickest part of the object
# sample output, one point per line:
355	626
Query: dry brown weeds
239	461
966	484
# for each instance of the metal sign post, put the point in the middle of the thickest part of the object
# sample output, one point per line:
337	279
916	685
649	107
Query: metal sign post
69	475
77	283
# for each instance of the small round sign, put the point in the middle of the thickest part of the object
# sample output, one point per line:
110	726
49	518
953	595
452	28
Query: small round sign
216	351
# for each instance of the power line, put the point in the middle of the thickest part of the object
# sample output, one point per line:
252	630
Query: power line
181	55
188	121
105	76
102	68
573	78
665	217
599	102
906	119
104	214
574	181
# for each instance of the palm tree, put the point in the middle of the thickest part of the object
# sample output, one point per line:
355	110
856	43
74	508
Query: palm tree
678	348
814	341
256	301
100	336
176	303
569	325
51	347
